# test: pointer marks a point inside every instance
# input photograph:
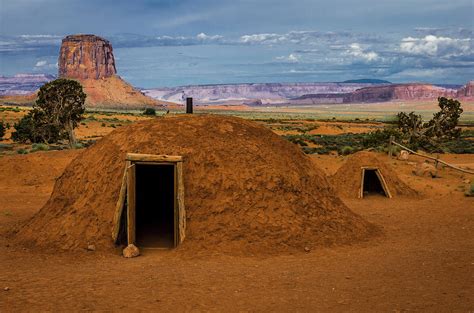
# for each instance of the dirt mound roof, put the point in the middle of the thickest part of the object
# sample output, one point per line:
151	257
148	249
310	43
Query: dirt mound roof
348	176
245	188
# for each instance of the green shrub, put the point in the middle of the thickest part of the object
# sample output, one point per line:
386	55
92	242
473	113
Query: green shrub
380	137
39	147
103	125
470	192
378	140
149	111
394	149
22	151
78	146
346	150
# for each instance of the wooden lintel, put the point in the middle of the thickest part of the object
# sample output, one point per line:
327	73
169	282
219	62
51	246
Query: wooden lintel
136	157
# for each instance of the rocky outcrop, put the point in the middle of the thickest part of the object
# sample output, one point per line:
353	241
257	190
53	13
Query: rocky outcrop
114	92
399	92
90	60
466	91
86	57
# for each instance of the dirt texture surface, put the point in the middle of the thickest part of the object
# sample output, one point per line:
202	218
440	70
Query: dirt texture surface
246	190
423	263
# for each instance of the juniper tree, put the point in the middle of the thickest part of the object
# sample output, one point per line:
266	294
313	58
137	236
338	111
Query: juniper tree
443	125
61	103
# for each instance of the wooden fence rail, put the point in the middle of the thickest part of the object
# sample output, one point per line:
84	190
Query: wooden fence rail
392	142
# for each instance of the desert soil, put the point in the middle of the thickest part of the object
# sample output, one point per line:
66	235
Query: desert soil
423	262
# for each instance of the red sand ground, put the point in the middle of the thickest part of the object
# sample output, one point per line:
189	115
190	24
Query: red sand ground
424	262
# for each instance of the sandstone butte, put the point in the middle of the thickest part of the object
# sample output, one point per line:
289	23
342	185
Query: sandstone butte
90	60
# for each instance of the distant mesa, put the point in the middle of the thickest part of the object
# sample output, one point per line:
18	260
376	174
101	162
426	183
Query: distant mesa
386	93
396	92
366	81
86	57
22	84
267	93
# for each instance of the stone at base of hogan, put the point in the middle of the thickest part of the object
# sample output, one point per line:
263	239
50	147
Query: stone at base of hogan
403	155
426	169
131	251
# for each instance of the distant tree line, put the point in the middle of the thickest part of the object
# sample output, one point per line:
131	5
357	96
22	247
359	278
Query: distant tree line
440	134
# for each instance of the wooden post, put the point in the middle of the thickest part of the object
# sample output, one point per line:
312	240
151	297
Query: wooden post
390	146
131	204
180	198
120	204
189	105
361	188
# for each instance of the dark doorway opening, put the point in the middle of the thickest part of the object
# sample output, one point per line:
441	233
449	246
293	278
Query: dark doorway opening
372	183
155	214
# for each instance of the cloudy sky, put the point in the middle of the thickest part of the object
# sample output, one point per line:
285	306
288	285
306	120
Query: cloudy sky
178	42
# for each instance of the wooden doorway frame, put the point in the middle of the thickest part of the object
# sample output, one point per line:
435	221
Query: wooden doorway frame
126	203
379	176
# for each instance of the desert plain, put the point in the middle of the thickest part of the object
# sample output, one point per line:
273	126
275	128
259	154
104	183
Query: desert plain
423	260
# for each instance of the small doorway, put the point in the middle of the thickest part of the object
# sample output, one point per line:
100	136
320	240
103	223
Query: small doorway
154	205
373	183
150	210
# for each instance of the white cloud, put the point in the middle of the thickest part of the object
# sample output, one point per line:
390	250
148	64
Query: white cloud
294	58
200	38
39	36
302	37
432	45
262	38
41	63
204	37
357	51
45	64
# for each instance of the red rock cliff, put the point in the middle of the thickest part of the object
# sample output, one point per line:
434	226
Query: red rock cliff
86	57
467	90
399	92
